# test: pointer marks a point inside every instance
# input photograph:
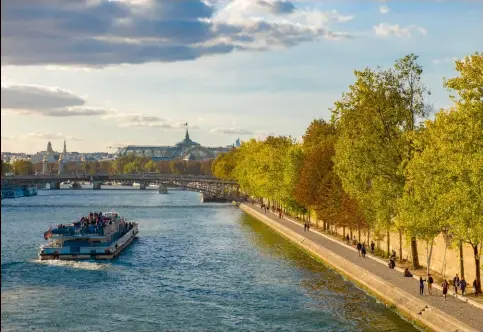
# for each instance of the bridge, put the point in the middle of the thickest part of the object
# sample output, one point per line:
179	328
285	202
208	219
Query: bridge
211	187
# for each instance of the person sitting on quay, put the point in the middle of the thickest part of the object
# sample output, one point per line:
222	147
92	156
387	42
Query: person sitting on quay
407	274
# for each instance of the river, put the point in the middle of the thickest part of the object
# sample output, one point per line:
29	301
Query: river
194	267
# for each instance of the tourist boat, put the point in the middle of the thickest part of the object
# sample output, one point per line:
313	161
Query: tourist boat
85	240
13	192
30	191
75	185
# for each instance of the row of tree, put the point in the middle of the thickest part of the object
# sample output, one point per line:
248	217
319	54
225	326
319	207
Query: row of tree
122	165
380	164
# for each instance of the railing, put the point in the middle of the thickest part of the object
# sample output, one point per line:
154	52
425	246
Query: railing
120	177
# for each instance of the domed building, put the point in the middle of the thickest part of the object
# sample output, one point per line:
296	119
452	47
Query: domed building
186	149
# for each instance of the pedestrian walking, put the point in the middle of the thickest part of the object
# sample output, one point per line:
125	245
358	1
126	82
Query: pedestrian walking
363	250
463	285
347	238
372	247
430	284
305	226
421	286
456	282
308	226
445	286
359	247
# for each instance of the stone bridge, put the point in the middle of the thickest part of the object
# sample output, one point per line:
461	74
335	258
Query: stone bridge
208	186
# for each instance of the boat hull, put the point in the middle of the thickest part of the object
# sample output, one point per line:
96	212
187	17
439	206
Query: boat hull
86	253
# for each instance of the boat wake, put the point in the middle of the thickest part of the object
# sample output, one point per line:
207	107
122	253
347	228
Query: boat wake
81	265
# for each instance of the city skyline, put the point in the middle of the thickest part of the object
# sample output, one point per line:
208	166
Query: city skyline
133	72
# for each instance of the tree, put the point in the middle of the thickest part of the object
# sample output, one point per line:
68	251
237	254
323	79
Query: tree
224	165
22	167
130	168
150	166
293	162
319	187
177	167
6	167
374	119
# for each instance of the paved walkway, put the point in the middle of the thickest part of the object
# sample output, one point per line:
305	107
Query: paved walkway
462	311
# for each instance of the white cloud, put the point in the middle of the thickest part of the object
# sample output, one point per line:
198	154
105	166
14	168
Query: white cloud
387	30
444	60
231	131
384	9
46	101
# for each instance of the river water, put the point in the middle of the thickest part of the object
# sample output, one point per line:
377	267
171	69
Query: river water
195	267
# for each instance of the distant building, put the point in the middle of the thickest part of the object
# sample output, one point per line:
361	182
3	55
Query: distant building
186	149
50	154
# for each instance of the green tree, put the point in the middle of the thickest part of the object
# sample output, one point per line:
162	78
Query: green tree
374	120
150	166
6	167
447	174
130	168
22	167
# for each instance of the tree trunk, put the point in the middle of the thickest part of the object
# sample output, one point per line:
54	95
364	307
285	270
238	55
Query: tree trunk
477	265
400	245
414	253
428	256
359	234
368	236
443	268
388	243
462	263
343	232
350	229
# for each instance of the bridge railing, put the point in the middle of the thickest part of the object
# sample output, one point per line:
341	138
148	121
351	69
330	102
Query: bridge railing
119	177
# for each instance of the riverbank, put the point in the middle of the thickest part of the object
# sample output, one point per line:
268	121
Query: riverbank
401	294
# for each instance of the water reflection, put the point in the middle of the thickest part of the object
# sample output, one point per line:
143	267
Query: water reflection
329	291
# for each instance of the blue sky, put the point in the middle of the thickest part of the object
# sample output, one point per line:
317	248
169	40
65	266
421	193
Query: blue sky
104	73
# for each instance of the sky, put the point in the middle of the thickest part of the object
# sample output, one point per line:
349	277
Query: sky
107	73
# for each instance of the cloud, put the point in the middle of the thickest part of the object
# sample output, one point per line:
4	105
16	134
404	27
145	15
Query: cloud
115	145
445	60
129	120
231	131
99	33
278	7
43	135
384	9
387	30
46	101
